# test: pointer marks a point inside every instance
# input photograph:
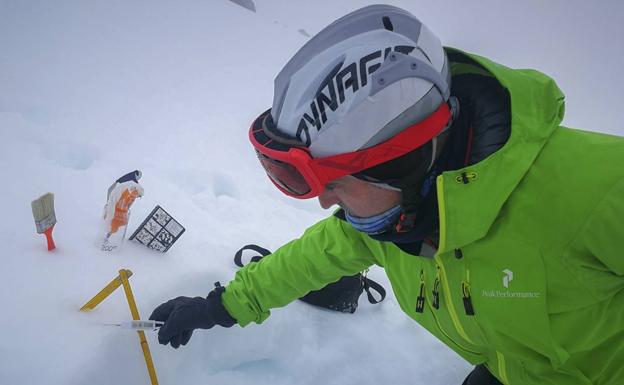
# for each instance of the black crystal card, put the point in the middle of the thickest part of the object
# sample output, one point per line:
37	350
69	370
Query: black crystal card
158	231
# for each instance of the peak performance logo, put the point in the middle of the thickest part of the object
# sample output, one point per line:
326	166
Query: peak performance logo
331	93
507	278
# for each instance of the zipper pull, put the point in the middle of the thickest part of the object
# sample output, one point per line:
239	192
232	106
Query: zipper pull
436	290
420	301
467	300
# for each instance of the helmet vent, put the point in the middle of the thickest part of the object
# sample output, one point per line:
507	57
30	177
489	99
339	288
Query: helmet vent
387	23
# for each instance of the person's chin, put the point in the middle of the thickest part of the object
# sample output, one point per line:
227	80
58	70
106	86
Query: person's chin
346	209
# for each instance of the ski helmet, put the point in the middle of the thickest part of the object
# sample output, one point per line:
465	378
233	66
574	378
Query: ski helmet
370	88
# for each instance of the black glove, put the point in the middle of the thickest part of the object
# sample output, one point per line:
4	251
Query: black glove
184	314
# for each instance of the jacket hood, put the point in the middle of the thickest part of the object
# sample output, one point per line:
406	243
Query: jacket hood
471	198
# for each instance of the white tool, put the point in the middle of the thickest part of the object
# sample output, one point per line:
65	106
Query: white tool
139	325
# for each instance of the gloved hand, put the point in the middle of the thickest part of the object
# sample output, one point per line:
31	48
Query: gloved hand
182	315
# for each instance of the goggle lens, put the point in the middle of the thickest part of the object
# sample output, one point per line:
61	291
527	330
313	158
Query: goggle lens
284	175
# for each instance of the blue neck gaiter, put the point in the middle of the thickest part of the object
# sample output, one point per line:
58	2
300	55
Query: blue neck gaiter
376	224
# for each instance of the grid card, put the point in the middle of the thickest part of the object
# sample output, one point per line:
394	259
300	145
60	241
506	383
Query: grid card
158	231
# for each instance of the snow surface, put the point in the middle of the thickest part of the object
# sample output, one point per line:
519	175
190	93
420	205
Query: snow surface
92	90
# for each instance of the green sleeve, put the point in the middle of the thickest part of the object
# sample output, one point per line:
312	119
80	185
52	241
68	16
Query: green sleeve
603	233
326	252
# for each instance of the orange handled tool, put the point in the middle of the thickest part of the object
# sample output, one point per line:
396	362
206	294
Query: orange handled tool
120	217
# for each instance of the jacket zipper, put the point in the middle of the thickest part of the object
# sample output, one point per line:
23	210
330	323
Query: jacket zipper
465	285
449	304
420	303
502	370
447	292
436	290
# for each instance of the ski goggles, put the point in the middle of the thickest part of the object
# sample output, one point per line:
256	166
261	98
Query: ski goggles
294	171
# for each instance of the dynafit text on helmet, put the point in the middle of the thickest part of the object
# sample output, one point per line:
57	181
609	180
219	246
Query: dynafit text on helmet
499	229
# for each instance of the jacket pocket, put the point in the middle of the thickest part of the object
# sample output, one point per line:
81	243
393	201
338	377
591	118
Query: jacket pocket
509	299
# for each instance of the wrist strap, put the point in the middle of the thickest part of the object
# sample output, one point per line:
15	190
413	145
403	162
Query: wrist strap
370	284
238	257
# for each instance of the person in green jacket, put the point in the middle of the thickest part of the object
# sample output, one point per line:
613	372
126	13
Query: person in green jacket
499	229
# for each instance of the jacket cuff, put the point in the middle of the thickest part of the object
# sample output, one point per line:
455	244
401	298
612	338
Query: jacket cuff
233	302
221	316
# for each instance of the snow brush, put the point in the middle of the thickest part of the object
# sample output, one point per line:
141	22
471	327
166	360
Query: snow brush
45	218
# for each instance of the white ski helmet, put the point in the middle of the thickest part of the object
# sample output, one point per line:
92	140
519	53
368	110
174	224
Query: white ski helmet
360	81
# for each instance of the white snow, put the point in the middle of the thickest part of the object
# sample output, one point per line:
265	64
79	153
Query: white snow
92	90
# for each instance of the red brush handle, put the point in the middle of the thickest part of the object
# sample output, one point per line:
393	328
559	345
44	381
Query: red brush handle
48	234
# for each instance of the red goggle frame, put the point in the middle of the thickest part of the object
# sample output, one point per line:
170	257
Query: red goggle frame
296	173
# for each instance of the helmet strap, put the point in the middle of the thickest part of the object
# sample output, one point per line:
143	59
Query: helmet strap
415	187
414	195
434	144
409	214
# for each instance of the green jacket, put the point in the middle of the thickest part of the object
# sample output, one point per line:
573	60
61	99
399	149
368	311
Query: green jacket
533	244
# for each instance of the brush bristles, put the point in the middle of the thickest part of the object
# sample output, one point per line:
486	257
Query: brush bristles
43	212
